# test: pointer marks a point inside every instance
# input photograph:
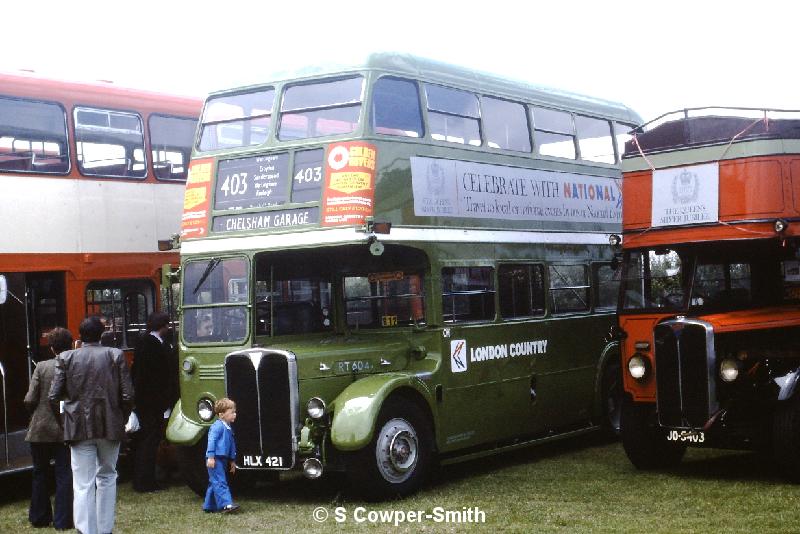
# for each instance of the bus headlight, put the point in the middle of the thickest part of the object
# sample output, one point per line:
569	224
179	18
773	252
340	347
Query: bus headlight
205	409
188	365
639	366
312	468
316	408
729	369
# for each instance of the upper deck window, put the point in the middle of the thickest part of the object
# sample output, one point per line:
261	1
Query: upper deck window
505	125
236	120
395	108
109	143
554	133
323	108
171	144
594	139
453	115
33	137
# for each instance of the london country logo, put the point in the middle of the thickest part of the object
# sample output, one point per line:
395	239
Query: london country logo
458	355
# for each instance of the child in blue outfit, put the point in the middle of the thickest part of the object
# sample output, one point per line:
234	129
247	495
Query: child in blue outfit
221	452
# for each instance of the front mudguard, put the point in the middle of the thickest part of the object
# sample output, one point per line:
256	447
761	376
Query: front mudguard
183	431
356	409
611	354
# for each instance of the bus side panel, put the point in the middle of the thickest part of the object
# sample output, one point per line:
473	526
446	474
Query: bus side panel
569	367
487	383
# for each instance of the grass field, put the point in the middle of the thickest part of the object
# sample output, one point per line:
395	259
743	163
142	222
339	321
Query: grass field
580	485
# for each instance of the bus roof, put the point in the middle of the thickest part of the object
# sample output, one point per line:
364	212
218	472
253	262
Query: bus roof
31	85
429	70
694	135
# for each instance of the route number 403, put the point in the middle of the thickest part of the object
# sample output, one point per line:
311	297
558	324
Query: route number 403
235	184
308	175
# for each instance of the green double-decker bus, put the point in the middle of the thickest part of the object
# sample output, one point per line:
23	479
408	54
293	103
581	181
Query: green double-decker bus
397	264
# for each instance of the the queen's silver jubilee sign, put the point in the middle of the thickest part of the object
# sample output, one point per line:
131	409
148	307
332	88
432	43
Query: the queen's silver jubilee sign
686	195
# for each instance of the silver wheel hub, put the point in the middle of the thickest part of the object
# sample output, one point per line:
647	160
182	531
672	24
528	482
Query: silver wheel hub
397	450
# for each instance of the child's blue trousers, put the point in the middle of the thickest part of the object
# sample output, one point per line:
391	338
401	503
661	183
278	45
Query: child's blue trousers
218	495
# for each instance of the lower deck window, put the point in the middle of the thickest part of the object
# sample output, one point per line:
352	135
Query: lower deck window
216	324
569	288
467	294
606	282
123	306
521	290
384	299
296	306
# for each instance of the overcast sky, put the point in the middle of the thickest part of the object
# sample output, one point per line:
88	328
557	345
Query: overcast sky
653	56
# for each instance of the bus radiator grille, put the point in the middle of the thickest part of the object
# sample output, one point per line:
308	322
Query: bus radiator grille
261	389
682	381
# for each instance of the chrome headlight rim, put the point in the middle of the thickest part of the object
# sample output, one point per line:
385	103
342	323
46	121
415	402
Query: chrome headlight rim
188	365
312	468
316	408
205	409
729	370
639	367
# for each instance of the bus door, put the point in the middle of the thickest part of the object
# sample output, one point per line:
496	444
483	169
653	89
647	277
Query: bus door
34	306
170	293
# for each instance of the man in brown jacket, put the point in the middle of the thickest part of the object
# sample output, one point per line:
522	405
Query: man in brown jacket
46	438
96	385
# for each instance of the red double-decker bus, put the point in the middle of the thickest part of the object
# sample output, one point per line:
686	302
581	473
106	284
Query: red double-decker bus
92	177
710	297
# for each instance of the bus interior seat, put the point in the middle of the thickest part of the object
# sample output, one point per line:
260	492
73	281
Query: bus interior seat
293	318
737	296
15	161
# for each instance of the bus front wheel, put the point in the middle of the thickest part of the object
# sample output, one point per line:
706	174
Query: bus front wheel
786	438
399	456
645	446
192	464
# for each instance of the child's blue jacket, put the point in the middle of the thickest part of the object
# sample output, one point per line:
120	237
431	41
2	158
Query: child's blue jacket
220	441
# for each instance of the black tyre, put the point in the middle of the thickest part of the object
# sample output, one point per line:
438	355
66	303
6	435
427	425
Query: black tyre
786	438
645	445
192	465
611	396
398	459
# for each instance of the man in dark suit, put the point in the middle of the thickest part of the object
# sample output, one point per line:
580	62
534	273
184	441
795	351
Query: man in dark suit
96	385
155	376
